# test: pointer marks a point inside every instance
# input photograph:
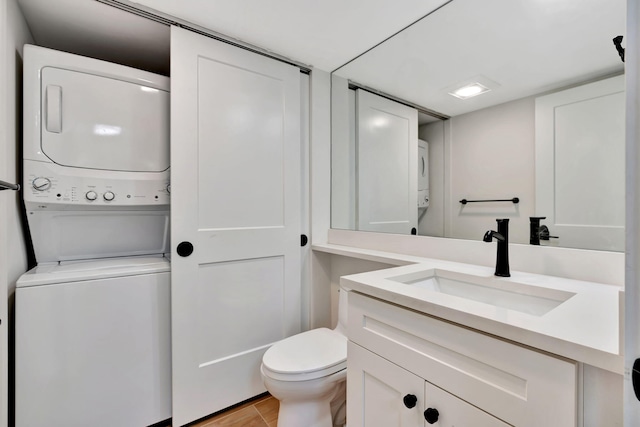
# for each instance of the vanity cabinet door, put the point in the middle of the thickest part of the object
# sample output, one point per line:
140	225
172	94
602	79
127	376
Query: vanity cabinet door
454	412
377	390
382	394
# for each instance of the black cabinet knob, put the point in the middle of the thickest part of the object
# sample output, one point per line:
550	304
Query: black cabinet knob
410	400
184	249
414	231
431	415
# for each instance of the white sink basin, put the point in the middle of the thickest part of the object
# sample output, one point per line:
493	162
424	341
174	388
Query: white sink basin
488	290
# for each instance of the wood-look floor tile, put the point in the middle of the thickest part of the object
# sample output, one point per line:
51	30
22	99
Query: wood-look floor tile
268	408
246	417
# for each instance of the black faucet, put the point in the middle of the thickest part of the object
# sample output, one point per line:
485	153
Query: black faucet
502	236
538	232
534	229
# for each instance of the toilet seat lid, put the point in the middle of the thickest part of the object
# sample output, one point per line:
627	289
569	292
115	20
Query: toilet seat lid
321	351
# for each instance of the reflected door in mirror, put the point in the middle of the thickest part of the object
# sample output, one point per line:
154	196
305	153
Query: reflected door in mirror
387	160
580	164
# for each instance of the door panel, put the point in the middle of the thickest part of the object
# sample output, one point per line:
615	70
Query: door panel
387	156
235	153
580	134
253	286
253	164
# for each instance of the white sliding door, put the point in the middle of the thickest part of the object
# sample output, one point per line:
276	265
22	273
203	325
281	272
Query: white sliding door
387	156
235	178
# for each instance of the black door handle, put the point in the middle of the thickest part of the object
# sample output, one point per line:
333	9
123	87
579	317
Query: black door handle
184	249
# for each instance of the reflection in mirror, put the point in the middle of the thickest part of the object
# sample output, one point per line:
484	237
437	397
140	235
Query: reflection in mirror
545	124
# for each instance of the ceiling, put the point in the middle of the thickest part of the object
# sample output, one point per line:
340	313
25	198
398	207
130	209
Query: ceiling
322	34
517	48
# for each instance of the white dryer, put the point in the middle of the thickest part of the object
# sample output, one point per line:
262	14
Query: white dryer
93	345
92	319
96	157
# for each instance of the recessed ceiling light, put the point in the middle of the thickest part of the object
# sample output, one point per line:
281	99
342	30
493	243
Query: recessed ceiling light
469	91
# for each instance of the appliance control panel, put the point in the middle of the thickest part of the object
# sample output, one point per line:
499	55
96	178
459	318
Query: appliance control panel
51	184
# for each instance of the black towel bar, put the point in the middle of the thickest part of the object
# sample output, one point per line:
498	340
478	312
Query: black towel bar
514	200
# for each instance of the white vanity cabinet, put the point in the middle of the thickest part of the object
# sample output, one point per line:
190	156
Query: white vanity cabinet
470	378
385	395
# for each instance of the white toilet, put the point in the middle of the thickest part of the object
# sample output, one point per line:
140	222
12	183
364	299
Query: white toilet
307	373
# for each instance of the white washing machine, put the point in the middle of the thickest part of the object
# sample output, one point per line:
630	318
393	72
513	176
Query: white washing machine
93	318
92	343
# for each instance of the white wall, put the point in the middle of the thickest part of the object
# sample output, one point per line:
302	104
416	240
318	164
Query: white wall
320	181
492	157
13	259
344	266
632	221
343	155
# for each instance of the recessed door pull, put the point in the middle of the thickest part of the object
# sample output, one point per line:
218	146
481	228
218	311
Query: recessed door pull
184	249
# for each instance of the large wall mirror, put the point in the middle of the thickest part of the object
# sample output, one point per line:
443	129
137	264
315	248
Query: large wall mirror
517	101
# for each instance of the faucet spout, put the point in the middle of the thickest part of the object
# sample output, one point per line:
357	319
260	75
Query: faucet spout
490	235
502	255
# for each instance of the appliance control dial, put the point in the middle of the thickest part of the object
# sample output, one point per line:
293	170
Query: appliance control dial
109	196
41	183
91	195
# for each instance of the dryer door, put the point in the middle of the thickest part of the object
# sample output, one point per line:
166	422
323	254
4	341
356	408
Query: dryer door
96	122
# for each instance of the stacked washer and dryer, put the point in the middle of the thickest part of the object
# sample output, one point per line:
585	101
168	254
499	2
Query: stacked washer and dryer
93	317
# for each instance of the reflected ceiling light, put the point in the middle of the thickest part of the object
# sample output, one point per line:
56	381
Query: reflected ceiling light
469	91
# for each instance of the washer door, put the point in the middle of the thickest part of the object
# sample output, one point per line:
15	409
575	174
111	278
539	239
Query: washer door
96	122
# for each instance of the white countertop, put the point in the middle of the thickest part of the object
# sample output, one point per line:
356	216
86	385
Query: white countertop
585	328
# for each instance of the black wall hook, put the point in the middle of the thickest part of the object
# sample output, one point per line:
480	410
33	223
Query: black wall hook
617	41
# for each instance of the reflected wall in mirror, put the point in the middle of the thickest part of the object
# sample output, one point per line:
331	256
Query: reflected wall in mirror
549	129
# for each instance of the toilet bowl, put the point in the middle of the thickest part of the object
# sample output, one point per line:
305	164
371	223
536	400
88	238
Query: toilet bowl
307	373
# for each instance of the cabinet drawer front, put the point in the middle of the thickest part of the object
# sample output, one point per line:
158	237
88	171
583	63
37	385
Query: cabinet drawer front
523	387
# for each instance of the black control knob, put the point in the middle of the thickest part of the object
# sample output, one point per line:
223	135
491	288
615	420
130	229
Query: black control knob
431	415
410	400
